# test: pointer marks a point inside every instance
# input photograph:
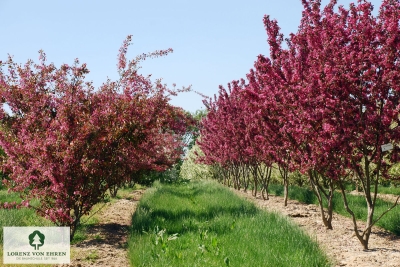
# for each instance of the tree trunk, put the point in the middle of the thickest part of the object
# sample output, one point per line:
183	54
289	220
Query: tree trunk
319	191
265	178
255	179
77	219
285	190
284	173
113	190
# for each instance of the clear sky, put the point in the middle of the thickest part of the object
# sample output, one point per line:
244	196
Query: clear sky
214	42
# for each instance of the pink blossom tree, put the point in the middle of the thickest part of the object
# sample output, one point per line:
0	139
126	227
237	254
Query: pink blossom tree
66	144
327	104
354	68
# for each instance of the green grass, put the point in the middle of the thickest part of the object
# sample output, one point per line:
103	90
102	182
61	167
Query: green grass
9	197
390	222
382	189
389	190
17	217
28	217
205	224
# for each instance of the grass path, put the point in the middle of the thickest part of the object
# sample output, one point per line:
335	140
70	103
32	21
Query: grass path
202	223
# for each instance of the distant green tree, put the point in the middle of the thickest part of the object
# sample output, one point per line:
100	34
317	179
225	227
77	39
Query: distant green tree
194	130
192	170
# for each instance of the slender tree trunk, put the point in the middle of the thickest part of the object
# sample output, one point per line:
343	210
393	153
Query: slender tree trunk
285	189
113	190
265	178
319	191
77	219
284	173
246	177
360	237
255	179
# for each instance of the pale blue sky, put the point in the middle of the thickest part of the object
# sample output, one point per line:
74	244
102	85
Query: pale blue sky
214	42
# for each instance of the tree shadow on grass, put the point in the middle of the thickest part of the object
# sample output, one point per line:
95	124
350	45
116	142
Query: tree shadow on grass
188	193
148	216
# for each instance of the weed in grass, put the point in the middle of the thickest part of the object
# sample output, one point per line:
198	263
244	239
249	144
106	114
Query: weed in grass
92	256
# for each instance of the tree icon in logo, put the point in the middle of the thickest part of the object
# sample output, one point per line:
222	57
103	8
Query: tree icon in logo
36	239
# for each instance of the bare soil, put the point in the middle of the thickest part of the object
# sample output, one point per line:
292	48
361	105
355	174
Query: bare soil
106	245
340	244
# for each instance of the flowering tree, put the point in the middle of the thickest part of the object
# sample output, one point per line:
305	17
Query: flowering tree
66	144
230	136
278	91
354	61
328	104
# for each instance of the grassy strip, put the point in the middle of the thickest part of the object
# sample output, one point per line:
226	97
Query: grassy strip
389	190
382	189
205	224
18	217
390	222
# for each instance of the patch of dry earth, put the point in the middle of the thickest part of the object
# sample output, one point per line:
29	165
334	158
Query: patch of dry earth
106	245
340	244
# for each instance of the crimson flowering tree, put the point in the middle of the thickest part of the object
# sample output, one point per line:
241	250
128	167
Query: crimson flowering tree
341	101
354	67
328	104
143	131
279	89
66	144
218	130
219	141
272	94
229	137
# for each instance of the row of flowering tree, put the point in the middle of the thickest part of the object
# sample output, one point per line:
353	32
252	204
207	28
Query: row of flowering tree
67	144
325	103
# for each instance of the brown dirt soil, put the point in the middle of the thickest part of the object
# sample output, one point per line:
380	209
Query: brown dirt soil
340	244
106	245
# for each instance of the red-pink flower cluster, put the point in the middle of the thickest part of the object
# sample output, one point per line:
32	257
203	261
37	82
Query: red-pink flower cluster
14	205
